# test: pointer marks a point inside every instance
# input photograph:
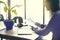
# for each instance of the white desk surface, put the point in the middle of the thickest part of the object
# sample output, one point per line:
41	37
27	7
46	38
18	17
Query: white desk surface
24	30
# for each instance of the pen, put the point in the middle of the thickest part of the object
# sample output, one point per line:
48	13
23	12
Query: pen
24	34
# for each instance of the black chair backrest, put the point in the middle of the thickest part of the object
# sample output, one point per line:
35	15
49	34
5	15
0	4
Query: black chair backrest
20	20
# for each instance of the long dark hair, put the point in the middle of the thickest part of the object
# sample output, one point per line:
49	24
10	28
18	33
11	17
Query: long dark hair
54	5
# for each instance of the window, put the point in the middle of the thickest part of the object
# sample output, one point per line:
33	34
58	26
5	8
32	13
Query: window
34	10
20	10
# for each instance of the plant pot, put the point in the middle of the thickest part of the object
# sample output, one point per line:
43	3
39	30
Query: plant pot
9	24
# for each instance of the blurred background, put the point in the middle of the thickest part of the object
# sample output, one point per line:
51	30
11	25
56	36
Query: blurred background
31	9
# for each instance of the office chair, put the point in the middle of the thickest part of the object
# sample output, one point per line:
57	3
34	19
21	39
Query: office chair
20	21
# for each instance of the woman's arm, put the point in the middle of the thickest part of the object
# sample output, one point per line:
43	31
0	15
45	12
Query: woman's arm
40	25
41	31
51	25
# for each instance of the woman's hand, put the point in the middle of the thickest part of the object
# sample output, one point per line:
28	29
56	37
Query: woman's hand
34	29
37	24
40	25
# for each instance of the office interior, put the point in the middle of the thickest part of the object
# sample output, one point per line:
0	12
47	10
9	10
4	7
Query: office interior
28	9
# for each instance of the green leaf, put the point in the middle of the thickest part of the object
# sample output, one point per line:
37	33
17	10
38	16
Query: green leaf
14	11
3	2
5	9
0	16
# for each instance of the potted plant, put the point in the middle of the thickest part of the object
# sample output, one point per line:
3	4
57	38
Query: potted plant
9	22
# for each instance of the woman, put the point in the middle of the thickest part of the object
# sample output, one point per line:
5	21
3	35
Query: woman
54	24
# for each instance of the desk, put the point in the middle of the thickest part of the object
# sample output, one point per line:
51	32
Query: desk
13	34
